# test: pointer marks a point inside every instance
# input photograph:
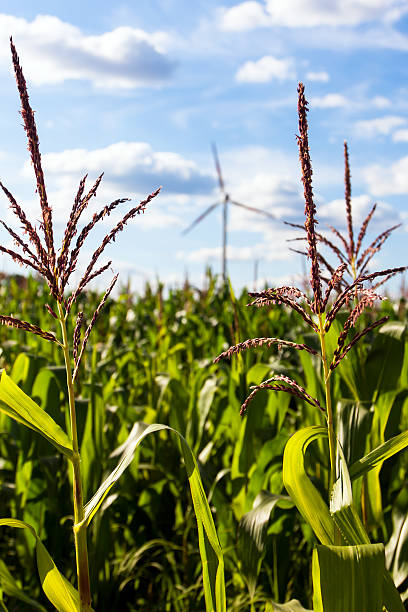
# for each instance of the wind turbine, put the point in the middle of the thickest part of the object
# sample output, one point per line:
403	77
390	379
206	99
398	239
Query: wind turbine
225	201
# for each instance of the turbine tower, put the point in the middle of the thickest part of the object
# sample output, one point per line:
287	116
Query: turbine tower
225	201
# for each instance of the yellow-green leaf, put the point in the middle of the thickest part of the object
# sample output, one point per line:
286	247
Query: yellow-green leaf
20	407
297	483
348	578
59	591
11	588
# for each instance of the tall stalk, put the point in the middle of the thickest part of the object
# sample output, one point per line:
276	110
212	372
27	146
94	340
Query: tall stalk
81	549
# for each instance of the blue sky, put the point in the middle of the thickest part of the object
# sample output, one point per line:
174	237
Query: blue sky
139	90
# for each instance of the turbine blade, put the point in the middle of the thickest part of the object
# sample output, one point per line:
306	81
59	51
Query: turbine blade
200	218
254	209
218	167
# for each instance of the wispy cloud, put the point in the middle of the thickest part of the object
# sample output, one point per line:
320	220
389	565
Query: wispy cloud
400	135
321	77
54	51
266	69
294	13
380	126
383	180
330	100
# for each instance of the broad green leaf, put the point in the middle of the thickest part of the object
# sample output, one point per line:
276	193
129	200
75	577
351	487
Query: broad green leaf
11	588
293	605
355	534
252	532
59	591
350	525
348	578
379	454
297	483
20	407
315	511
210	550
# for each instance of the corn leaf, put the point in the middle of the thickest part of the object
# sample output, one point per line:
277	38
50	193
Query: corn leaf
312	507
11	588
379	454
20	407
297	483
59	591
348	578
210	549
354	533
252	533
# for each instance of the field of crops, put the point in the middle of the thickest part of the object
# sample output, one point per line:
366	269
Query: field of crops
190	449
151	359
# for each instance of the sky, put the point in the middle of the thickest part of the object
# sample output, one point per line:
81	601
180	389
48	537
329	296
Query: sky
140	90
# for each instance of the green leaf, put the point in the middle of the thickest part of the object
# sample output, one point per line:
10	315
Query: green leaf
379	454
348	578
297	483
11	588
210	549
20	407
354	533
251	534
312	507
59	591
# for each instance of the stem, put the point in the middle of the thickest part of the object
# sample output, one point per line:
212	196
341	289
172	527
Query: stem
81	549
329	408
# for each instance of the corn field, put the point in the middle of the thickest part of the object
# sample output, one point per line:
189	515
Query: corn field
151	361
278	421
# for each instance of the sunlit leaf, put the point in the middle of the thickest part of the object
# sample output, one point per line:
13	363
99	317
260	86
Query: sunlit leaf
11	588
59	591
348	578
20	407
297	483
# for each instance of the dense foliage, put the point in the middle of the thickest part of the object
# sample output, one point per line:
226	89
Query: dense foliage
150	359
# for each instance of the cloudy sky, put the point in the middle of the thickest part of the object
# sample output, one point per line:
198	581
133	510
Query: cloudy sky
140	90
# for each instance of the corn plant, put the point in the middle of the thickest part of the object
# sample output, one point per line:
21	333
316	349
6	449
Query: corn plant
346	565
37	251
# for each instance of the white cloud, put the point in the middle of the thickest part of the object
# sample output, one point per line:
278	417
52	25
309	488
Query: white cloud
381	102
133	165
389	180
310	13
274	250
244	16
53	51
380	126
334	212
321	77
400	135
266	69
331	100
